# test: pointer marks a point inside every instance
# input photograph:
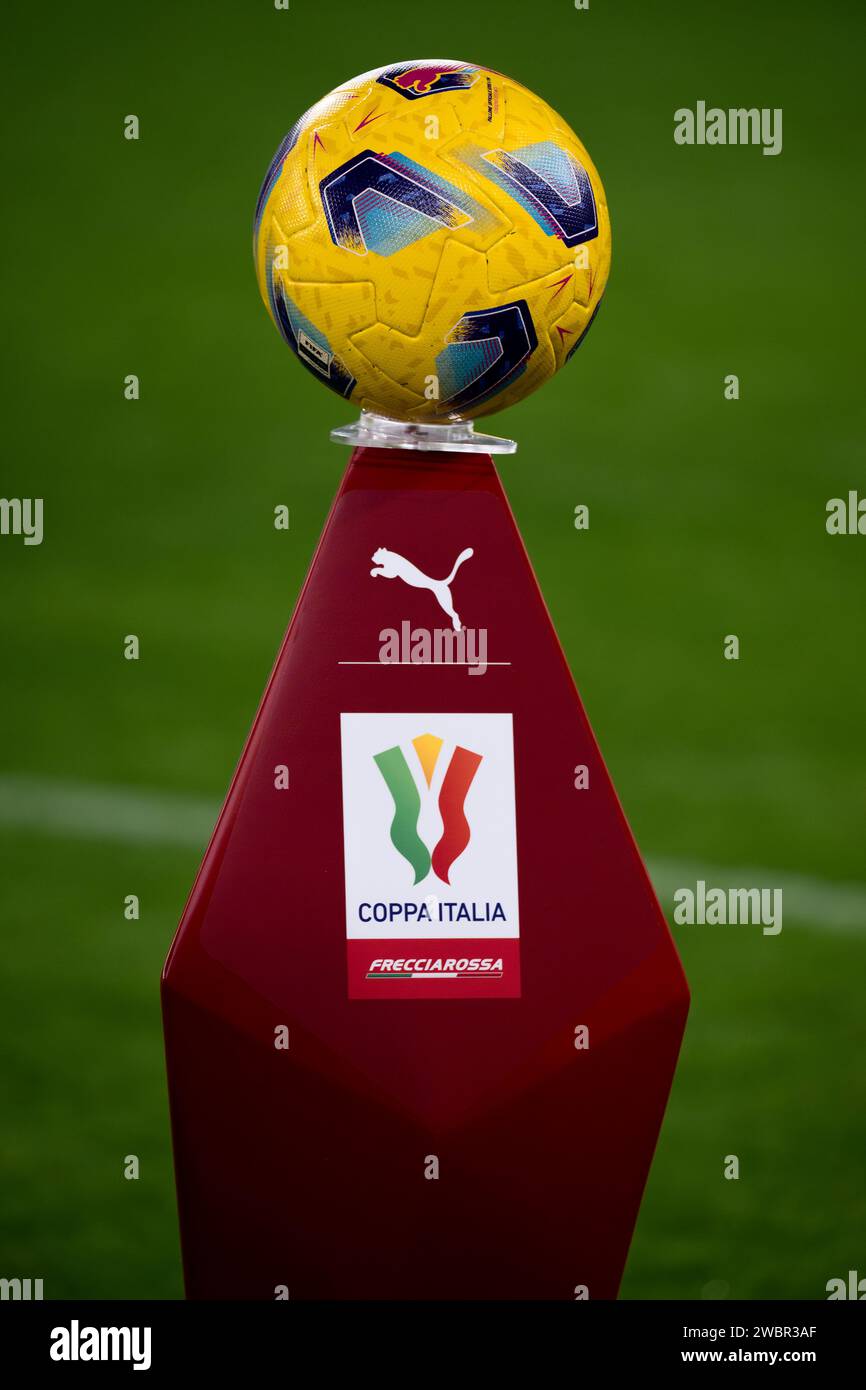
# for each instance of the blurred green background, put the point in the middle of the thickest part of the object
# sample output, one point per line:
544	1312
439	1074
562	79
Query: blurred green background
707	518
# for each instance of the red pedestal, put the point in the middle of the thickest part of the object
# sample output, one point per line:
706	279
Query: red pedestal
429	914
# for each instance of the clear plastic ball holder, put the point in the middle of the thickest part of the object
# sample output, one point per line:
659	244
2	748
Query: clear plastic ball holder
374	431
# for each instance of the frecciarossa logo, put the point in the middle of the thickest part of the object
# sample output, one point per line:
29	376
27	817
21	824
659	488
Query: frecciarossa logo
456	832
443	967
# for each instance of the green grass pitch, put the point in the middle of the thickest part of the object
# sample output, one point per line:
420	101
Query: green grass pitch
707	518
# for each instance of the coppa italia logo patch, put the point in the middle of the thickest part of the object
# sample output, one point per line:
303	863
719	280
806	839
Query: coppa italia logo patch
407	804
430	856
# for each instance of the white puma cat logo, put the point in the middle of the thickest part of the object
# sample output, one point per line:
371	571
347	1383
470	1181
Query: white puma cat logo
393	566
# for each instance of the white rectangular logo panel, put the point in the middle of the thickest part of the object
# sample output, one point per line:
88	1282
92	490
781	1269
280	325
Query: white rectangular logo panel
430	855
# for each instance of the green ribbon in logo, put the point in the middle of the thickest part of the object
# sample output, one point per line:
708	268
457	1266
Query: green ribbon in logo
407	809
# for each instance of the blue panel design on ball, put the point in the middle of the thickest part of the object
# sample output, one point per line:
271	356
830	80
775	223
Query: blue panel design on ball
357	196
501	341
307	342
462	363
557	168
590	322
548	182
386	226
285	147
436	184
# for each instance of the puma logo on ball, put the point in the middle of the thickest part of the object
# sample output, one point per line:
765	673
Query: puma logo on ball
390	565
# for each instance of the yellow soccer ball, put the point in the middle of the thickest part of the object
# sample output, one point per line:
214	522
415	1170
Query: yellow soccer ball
432	241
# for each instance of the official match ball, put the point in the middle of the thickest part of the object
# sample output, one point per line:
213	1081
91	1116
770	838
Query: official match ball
432	240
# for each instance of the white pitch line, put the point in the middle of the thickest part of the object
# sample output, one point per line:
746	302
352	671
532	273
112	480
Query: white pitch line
823	903
138	816
85	811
